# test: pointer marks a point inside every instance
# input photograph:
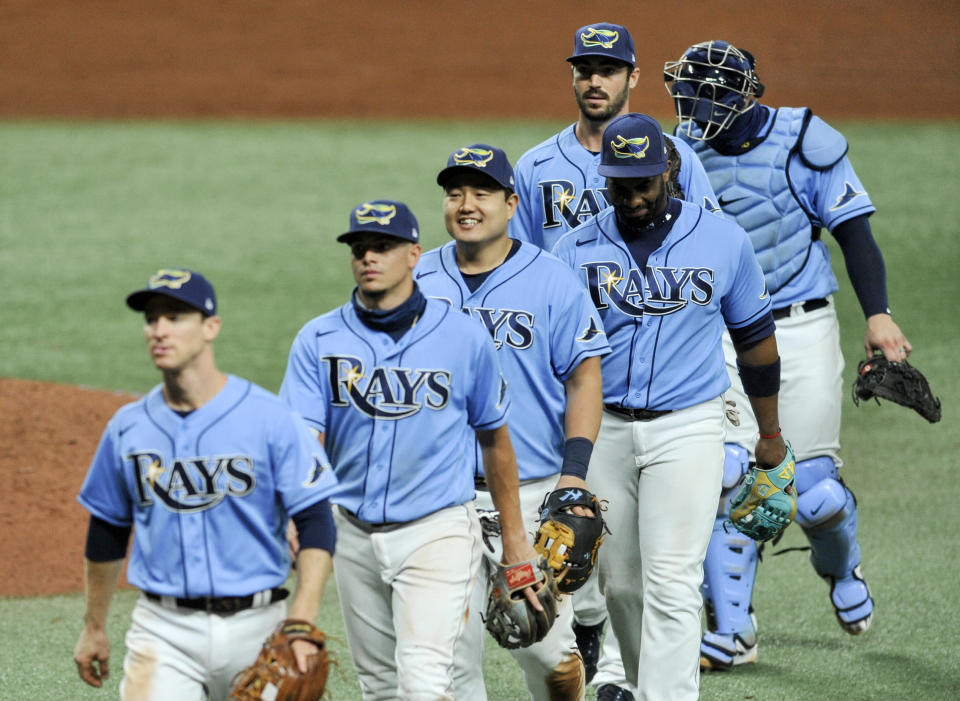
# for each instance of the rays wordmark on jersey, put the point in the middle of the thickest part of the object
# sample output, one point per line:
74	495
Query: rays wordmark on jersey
385	393
557	197
191	484
662	290
511	326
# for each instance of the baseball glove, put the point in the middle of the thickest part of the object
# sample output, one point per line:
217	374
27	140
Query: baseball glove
899	382
274	674
673	182
569	542
511	618
767	501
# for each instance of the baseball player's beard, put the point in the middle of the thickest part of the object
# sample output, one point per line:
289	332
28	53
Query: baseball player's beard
635	224
614	105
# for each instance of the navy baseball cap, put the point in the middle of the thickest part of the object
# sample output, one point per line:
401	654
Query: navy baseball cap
382	217
481	158
604	39
187	286
633	147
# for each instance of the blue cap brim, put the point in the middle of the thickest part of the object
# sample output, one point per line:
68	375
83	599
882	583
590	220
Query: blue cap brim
625	171
137	301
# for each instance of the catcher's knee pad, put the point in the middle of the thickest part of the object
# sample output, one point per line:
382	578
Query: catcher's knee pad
827	513
729	570
736	462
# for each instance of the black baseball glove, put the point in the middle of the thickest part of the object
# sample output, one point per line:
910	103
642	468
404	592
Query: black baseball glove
900	382
570	542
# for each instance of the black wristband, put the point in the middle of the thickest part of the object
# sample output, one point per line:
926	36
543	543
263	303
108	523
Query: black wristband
760	380
576	457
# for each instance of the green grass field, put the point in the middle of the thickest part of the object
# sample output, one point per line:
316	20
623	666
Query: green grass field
89	210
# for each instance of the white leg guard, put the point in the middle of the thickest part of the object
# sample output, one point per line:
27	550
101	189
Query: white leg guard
729	571
827	512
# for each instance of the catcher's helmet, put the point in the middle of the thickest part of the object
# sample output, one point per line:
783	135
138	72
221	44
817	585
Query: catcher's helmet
711	84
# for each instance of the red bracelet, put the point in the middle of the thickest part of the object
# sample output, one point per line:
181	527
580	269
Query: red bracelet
772	435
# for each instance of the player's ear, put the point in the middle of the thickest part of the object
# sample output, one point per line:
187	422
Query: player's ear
413	255
633	77
211	327
513	201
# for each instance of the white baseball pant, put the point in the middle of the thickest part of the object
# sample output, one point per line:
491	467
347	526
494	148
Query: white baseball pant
662	479
184	654
811	372
404	595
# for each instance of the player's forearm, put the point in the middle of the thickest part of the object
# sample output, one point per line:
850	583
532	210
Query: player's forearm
100	581
584	390
500	469
762	392
314	566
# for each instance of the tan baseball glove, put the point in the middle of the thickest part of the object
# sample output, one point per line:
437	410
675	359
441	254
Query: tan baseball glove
274	674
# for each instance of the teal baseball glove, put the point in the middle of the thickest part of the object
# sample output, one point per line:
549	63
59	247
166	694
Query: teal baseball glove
767	501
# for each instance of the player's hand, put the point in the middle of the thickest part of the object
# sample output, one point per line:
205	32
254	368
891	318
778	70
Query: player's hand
573	482
92	655
519	553
293	542
303	650
770	452
884	335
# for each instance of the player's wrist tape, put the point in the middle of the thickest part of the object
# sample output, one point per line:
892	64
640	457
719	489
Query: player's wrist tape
576	457
760	380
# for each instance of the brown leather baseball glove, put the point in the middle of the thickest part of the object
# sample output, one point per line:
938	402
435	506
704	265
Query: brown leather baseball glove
274	674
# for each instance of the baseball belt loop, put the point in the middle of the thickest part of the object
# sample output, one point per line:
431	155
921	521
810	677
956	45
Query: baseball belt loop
262	598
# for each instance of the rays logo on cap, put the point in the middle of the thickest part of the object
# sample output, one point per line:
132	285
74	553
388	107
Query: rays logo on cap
630	148
380	213
478	157
169	277
599	37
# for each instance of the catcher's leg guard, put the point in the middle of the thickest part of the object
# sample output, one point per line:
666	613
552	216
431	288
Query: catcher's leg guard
729	571
588	643
827	512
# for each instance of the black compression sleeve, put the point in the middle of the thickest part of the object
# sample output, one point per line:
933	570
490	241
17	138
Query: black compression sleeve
106	542
315	527
864	263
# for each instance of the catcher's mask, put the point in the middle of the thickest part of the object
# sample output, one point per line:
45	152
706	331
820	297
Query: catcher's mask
711	85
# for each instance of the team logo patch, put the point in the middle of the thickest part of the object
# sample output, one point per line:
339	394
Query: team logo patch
850	193
592	332
477	157
375	213
169	277
599	37
630	148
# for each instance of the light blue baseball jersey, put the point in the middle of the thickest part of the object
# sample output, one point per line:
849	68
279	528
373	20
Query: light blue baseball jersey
543	325
559	187
665	322
793	181
397	416
209	495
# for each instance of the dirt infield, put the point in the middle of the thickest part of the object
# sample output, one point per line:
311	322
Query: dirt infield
422	58
383	59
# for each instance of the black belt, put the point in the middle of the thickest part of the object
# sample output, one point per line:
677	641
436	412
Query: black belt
222	604
636	414
367	527
808	306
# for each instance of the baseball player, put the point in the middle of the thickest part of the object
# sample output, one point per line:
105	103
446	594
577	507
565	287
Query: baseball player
397	385
783	175
666	277
557	181
208	467
559	188
549	340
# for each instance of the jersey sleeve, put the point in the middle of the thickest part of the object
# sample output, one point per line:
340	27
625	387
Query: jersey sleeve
747	299
104	493
577	331
841	196
523	225
487	399
302	387
301	468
